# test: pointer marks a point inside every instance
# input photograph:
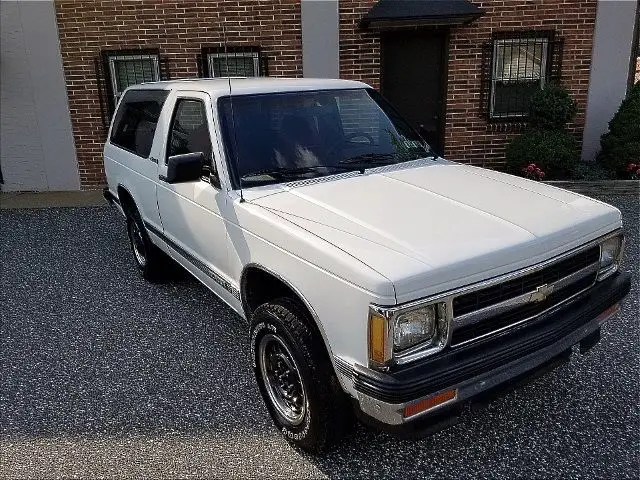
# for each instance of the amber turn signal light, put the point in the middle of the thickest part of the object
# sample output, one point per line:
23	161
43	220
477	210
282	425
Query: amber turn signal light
377	338
429	403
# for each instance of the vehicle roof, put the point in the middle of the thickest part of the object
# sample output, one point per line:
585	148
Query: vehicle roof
217	87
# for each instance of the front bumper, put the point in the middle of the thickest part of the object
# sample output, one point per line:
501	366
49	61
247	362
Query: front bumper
488	365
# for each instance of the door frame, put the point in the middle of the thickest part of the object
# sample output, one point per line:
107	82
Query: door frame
443	32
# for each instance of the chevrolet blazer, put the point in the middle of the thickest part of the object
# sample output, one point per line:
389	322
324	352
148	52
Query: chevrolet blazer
379	280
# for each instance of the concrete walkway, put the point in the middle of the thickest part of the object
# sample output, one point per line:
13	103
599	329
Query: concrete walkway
20	200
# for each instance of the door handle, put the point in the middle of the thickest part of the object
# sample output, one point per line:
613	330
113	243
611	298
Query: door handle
153	159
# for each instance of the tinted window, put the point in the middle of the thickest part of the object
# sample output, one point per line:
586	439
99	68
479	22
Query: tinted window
190	130
136	120
286	136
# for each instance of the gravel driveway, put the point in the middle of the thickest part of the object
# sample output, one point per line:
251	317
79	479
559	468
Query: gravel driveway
105	375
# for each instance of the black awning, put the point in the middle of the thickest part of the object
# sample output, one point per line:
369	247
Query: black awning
415	13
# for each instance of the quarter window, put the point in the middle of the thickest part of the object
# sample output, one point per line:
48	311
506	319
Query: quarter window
190	130
135	122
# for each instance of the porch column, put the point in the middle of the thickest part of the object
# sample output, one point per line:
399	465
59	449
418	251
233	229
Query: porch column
320	39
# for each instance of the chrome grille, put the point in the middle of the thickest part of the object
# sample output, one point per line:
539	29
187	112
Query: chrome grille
487	310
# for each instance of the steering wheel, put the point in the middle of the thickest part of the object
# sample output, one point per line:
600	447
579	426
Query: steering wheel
333	148
360	134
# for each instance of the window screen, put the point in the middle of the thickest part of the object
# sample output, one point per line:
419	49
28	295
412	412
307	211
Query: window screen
135	123
519	70
127	70
190	130
238	64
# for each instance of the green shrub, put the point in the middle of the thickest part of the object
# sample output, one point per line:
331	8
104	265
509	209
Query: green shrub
551	108
621	144
556	152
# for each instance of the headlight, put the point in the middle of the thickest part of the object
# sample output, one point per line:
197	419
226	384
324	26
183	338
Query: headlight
406	333
413	327
610	253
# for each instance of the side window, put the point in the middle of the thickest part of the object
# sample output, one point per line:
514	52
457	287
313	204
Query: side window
136	119
189	130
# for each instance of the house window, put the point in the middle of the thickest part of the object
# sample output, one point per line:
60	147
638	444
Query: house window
130	69
242	63
519	70
520	65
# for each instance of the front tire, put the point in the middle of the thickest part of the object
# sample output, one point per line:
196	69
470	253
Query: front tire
296	379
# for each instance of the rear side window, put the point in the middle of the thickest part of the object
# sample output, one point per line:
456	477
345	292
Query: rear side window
136	120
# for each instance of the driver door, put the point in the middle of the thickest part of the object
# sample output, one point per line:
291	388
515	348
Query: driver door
190	211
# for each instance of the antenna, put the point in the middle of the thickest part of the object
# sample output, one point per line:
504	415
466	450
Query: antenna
233	118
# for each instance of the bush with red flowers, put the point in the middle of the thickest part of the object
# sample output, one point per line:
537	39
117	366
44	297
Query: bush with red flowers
533	172
556	152
634	171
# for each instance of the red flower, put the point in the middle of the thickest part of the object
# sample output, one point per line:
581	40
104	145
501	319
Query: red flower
533	172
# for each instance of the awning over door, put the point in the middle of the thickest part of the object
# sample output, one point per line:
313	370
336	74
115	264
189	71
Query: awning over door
416	13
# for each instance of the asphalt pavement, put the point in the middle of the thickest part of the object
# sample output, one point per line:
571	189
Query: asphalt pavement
105	375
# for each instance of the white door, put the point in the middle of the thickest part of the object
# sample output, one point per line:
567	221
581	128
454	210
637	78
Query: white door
190	211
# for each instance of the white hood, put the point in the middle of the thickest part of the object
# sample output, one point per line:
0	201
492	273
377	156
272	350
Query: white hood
441	225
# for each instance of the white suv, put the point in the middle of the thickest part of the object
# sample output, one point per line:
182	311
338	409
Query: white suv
376	277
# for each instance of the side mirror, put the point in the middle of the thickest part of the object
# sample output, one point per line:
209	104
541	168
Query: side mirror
185	168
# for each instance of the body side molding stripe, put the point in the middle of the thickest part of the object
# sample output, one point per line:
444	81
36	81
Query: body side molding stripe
197	263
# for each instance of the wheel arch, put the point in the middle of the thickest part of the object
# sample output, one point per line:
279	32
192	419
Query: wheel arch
249	303
125	198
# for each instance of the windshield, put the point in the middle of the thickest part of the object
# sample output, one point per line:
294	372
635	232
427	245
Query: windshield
278	137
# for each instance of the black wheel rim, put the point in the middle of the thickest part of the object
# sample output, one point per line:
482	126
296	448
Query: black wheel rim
137	244
282	379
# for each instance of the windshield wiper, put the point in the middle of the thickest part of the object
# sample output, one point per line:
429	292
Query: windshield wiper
373	158
377	159
284	171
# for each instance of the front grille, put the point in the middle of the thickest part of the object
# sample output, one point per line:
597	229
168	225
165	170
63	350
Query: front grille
469	332
470	302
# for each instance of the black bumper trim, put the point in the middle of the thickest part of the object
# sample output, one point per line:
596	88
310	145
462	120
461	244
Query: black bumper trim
459	365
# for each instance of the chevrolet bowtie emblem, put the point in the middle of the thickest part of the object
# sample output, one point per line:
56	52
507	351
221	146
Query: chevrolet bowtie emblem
541	293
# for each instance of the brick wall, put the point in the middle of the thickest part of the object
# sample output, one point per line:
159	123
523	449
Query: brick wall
179	29
359	50
468	136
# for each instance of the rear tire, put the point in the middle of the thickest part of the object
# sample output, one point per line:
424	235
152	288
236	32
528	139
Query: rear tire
150	260
296	378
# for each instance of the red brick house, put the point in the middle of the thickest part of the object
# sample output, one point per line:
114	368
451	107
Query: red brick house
460	70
